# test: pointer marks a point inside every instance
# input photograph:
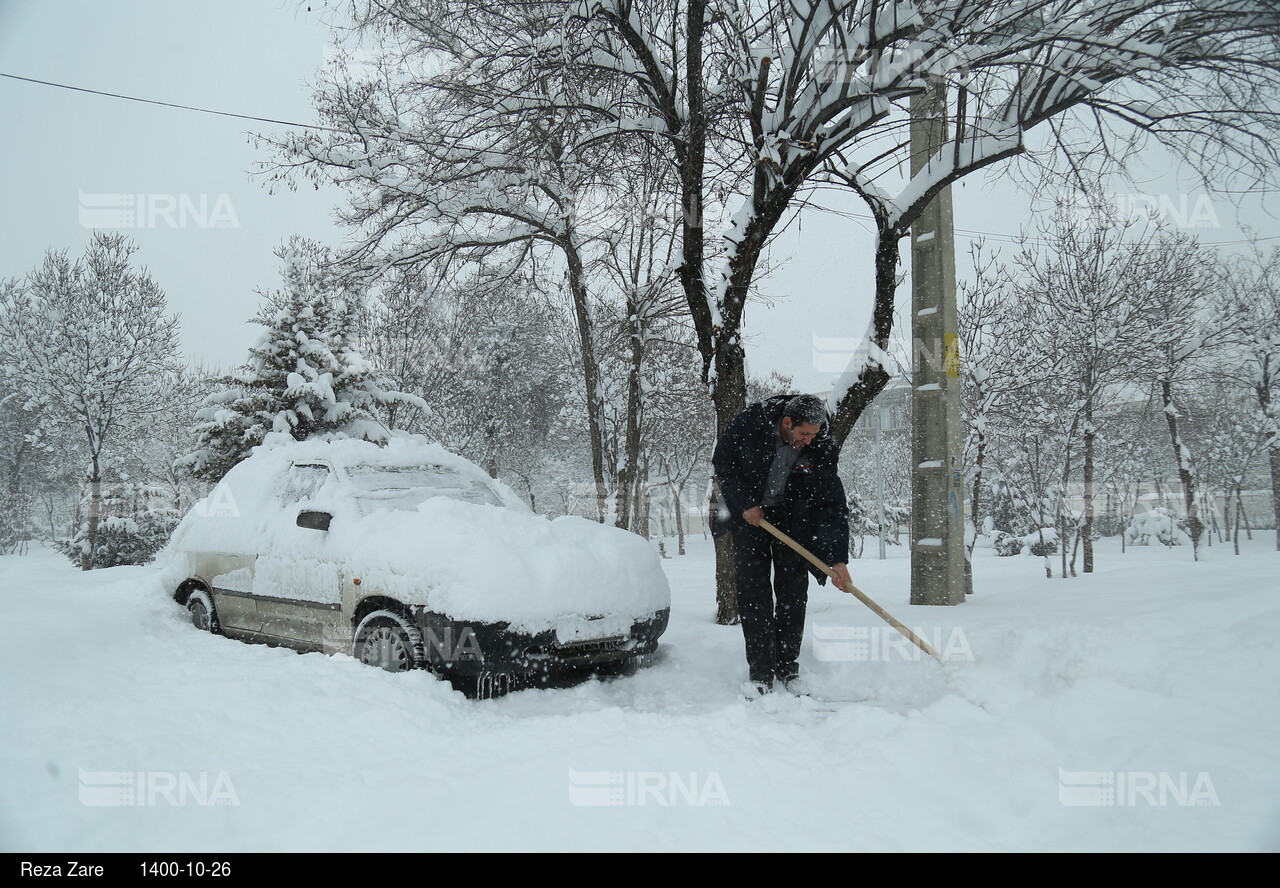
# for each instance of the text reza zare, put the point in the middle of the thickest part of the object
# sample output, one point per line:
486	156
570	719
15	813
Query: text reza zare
73	869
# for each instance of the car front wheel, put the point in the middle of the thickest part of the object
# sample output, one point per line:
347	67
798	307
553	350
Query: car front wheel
389	641
203	615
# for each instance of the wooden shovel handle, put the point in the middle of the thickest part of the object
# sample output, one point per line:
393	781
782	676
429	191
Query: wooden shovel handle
852	590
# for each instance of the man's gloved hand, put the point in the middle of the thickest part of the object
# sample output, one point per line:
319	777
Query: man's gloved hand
753	515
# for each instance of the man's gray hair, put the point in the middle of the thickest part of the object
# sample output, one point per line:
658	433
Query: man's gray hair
806	408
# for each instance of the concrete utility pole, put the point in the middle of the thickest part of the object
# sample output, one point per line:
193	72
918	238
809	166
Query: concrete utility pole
939	566
882	424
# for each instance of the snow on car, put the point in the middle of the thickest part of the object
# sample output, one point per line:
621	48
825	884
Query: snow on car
406	556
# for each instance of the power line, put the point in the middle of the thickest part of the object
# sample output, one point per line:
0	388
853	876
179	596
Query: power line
98	92
843	213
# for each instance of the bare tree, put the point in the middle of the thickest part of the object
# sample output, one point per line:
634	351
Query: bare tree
1230	434
415	330
1182	283
995	327
1252	290
1095	305
93	340
1200	78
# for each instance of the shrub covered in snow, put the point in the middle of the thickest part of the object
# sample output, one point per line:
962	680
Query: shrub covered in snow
1006	544
1156	525
1042	548
129	540
1042	542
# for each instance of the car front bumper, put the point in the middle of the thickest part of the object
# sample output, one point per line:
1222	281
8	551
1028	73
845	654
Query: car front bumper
463	648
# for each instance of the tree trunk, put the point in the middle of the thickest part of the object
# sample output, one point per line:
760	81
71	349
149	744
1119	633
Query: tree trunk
95	512
690	159
1037	490
726	597
1239	511
729	396
679	509
1075	549
1064	521
1086	528
1126	518
1275	491
1185	473
642	500
980	452
590	372
1064	513
49	506
629	473
722	361
1226	515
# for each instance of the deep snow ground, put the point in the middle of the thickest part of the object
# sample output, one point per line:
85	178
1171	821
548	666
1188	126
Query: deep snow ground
1156	672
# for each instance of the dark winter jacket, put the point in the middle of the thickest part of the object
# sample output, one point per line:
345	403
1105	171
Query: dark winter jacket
817	508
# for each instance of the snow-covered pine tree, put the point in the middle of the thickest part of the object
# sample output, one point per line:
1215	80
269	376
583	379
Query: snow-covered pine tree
304	378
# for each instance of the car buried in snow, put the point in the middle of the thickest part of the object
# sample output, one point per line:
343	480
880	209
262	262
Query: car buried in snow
406	556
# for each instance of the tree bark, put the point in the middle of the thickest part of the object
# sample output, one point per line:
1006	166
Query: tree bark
980	449
726	579
1275	491
590	372
679	509
1239	514
629	471
1086	528
1185	473
95	511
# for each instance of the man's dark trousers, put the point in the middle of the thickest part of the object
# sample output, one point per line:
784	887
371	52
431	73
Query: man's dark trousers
772	615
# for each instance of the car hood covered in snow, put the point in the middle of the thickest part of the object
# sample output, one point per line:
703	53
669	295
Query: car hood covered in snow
492	564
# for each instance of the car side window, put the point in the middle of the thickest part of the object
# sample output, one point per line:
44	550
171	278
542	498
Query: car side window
302	482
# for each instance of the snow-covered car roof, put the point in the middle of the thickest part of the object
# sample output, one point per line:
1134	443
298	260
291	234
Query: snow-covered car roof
399	452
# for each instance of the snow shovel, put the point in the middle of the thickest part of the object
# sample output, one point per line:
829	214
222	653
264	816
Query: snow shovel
852	590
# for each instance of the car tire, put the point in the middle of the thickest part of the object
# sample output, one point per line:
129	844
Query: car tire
387	640
204	616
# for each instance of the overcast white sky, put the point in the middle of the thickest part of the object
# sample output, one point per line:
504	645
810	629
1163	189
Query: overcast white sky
68	157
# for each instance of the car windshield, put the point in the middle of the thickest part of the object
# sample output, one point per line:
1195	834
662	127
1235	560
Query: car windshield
405	487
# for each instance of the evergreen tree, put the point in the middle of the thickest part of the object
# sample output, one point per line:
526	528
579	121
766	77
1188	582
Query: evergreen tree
303	379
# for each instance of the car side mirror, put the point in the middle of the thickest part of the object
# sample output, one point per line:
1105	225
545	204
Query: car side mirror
314	520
